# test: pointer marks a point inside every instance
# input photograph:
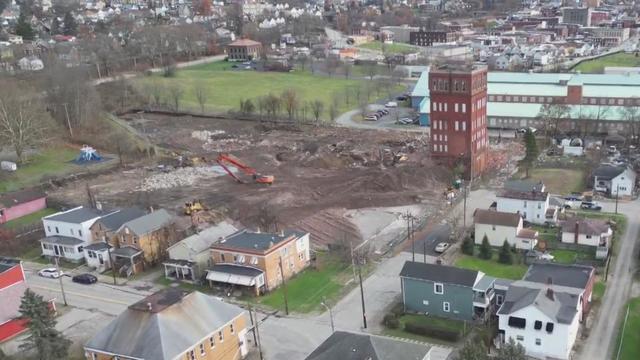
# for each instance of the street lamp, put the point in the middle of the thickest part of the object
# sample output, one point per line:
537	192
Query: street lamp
330	315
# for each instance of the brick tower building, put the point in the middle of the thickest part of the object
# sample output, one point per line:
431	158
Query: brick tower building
459	116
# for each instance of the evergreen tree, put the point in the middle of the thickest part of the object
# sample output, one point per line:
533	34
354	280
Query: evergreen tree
473	350
23	27
485	249
511	351
468	246
48	342
70	25
505	255
531	150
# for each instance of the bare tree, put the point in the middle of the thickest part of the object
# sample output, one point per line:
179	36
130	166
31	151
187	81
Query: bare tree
331	65
333	112
23	122
302	61
631	115
552	116
200	91
155	90
291	102
272	105
175	93
316	107
371	70
347	69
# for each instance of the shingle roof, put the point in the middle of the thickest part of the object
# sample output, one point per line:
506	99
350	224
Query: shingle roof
126	251
115	220
99	246
524	195
148	223
585	226
576	276
244	42
523	185
527	234
8	200
343	345
201	241
61	240
248	240
491	217
439	273
236	269
175	324
559	304
608	172
78	215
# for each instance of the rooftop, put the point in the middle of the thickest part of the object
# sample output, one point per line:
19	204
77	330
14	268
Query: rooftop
10	199
576	276
99	246
491	217
77	215
115	220
344	345
439	273
524	185
524	195
559	303
244	42
150	222
585	226
248	240
202	240
7	263
62	240
608	172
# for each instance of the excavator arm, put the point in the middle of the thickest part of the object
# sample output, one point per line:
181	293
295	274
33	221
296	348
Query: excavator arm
226	158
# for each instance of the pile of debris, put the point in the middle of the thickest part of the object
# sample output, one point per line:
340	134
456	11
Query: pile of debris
184	176
219	141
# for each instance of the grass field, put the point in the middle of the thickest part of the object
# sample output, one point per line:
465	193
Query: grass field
391	48
225	87
571	256
49	162
598	290
28	220
630	347
559	181
492	267
617	59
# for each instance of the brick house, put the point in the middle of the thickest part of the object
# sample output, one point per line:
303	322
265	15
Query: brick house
17	204
173	324
253	259
244	50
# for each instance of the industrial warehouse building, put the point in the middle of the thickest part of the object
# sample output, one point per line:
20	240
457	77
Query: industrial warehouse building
515	100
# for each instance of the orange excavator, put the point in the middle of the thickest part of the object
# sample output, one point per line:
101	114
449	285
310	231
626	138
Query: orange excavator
224	159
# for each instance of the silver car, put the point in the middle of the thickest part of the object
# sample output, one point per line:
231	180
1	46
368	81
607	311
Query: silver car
441	247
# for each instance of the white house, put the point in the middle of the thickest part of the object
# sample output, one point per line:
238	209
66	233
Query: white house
612	180
191	257
500	226
97	256
544	318
592	232
30	63
532	205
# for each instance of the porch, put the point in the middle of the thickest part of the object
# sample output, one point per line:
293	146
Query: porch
127	260
237	275
69	248
181	270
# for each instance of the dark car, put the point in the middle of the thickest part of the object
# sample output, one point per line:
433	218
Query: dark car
85	279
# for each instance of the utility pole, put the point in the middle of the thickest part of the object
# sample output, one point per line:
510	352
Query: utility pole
424	251
113	268
68	121
617	192
256	334
64	297
364	313
464	209
323	303
284	289
253	324
409	217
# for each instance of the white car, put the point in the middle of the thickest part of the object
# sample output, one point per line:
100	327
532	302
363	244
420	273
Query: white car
50	273
441	247
391	104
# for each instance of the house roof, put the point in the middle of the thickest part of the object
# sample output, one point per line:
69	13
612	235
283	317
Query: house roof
527	234
7	263
248	240
148	223
11	199
126	251
608	172
164	325
61	240
115	220
484	283
439	273
244	42
523	195
523	185
99	246
585	226
202	240
236	270
351	346
422	86
78	215
576	276
491	217
557	302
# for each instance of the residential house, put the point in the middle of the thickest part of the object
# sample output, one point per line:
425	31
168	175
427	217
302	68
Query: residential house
532	205
344	345
142	241
500	226
244	50
104	229
259	260
190	258
591	232
614	180
446	291
543	311
173	324
68	232
98	256
12	287
17	204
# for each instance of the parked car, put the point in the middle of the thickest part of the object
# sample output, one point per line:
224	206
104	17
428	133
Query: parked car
590	205
85	279
573	197
50	273
404	121
539	255
371	118
441	247
391	104
524	130
401	98
383	111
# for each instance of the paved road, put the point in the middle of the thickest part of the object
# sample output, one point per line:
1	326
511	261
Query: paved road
602	339
439	234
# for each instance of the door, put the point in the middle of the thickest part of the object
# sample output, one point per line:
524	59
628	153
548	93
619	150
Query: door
242	337
100	259
56	249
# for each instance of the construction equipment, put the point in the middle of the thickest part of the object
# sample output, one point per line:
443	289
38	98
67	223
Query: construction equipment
193	207
223	159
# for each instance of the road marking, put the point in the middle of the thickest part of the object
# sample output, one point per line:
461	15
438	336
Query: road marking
82	295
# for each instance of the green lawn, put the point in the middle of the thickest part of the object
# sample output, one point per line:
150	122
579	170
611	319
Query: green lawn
492	267
29	219
225	87
307	290
559	181
598	65
598	290
390	48
48	162
571	256
630	347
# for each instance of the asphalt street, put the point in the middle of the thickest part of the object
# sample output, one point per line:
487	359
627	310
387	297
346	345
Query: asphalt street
439	234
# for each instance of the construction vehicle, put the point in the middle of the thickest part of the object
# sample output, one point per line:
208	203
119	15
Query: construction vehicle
224	159
193	207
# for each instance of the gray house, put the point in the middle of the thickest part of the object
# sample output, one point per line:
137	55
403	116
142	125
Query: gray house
446	291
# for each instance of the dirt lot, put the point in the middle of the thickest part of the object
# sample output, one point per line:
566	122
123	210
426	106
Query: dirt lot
319	172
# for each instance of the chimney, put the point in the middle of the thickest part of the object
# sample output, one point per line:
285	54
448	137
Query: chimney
576	231
550	294
98	205
270	244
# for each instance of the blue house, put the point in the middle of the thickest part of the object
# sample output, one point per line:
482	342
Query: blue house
446	291
420	100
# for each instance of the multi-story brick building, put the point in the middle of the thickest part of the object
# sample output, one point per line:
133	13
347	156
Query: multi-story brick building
244	50
430	37
259	260
459	116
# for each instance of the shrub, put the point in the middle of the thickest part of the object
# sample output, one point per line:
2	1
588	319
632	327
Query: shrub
485	249
397	309
505	256
468	246
431	331
391	321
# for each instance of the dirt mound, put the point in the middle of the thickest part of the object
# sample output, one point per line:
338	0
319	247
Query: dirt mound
329	227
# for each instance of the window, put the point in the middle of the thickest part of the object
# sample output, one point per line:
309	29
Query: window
446	148
222	257
438	288
520	338
212	342
538	341
48	228
464	125
446	307
425	302
71	230
220	336
192	355
549	327
525	203
455	107
94	356
57	231
517	322
231	328
79	232
537	325
456	125
301	256
254	260
539	206
499	300
464	108
202	349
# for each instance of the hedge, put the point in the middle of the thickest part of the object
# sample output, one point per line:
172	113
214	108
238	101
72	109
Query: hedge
431	331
